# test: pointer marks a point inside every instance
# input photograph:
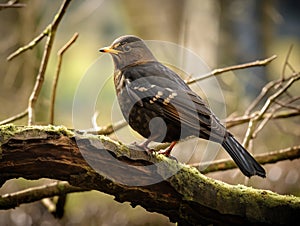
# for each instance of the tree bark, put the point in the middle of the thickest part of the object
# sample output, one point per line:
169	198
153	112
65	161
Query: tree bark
179	192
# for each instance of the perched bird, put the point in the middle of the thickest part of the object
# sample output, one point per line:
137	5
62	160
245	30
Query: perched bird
161	107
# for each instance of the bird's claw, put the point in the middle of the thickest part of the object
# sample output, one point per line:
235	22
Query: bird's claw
167	152
143	147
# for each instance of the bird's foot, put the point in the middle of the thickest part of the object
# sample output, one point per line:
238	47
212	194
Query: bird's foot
141	147
167	152
144	147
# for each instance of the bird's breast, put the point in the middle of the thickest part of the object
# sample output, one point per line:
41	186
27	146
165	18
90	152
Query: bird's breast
119	81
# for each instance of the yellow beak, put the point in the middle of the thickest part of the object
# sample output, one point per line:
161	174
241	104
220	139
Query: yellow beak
109	49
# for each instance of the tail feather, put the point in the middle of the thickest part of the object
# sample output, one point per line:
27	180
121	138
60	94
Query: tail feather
247	164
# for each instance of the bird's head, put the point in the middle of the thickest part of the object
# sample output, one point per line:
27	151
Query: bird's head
128	50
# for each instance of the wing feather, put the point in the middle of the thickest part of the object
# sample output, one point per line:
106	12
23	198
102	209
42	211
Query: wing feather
180	106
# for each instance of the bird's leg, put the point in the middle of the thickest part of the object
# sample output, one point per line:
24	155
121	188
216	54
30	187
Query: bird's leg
167	151
143	146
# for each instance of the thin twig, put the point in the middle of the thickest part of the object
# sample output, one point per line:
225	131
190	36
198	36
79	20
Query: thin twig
270	85
39	80
253	121
15	117
231	122
265	90
49	204
109	129
56	205
264	122
262	95
290	153
288	103
47	50
271	99
11	4
50	32
55	81
232	68
272	112
29	195
286	63
30	45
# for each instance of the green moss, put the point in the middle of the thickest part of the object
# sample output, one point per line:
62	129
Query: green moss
59	129
9	130
6	131
118	148
228	199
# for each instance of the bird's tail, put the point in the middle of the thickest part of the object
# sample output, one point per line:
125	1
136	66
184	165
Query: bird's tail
247	164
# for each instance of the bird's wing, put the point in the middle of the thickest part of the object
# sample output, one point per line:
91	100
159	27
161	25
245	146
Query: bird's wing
183	107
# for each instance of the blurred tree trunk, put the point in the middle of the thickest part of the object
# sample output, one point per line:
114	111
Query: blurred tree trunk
245	28
156	20
200	29
187	23
17	77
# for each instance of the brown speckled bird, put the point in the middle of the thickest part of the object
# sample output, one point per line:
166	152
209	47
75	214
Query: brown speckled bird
161	107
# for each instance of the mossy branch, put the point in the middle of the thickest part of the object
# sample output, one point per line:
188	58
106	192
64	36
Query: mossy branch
181	192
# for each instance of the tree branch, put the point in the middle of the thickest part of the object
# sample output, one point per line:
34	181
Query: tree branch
252	129
257	63
51	31
15	117
30	45
289	153
187	196
231	122
60	54
11	4
29	195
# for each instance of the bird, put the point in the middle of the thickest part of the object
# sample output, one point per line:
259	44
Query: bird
158	104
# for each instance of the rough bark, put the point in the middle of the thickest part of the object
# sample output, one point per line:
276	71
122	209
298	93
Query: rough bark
186	197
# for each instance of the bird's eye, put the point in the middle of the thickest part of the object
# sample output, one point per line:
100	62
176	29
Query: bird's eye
127	48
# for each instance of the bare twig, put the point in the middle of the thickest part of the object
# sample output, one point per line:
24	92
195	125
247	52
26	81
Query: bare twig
56	205
270	85
109	129
283	84
49	204
272	98
49	31
253	121
30	45
286	63
232	68
15	117
55	81
231	122
269	116
287	104
29	195
11	4
48	46
289	153
262	95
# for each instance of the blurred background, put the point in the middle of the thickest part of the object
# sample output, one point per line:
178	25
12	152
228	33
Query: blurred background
220	32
